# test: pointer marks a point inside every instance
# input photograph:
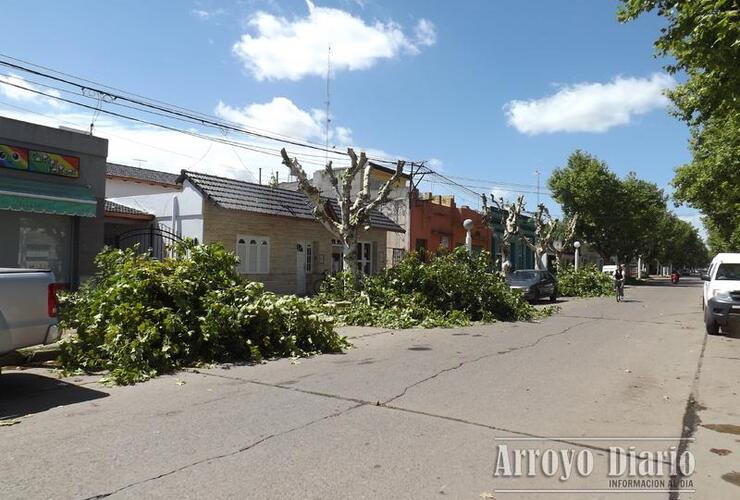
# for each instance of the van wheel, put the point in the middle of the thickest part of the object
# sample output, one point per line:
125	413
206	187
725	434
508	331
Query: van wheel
712	327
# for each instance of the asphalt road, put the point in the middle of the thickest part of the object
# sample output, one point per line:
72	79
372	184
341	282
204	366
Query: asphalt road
404	414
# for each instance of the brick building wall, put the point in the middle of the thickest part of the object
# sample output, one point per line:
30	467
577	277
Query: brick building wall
437	222
224	225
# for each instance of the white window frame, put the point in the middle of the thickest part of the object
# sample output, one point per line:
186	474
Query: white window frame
361	261
262	267
308	250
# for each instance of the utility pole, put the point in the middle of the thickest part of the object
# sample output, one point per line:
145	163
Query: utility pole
537	173
260	178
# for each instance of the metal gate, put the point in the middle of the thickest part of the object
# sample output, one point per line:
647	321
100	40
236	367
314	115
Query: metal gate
153	240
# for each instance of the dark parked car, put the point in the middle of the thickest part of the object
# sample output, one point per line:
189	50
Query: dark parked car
535	284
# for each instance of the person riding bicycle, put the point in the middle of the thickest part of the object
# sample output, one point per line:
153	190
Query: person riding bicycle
619	281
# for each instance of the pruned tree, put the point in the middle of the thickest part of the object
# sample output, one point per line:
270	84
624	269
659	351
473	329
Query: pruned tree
509	214
565	234
353	215
545	231
551	235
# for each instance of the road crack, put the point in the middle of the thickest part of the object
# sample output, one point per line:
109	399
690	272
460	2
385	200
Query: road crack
484	356
225	455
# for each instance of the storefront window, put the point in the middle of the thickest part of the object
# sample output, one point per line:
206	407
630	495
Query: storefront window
37	241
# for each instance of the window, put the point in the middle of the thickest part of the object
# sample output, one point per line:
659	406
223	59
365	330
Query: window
37	241
398	254
309	257
364	257
444	241
336	256
421	245
254	254
728	272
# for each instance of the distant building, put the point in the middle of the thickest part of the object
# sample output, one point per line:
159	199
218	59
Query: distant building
436	222
522	257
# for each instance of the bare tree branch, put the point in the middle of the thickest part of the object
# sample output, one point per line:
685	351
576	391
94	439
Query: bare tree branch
313	194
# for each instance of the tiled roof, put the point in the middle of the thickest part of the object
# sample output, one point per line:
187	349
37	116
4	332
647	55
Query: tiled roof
113	207
142	174
249	197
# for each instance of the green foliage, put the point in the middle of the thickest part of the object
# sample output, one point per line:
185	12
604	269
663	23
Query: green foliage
447	290
624	217
140	317
586	186
711	182
678	242
701	38
588	281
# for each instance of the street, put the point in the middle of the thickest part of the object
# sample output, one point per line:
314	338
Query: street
403	414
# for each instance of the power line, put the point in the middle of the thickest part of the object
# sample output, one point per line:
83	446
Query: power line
175	111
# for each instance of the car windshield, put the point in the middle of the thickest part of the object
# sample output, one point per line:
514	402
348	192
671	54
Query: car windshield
728	272
525	275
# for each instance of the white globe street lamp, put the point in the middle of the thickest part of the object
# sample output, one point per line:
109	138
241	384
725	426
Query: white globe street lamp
468	226
577	245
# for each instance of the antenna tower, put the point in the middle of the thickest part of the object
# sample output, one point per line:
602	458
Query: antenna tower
328	103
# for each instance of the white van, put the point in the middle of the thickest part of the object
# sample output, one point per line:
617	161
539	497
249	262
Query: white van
609	269
721	300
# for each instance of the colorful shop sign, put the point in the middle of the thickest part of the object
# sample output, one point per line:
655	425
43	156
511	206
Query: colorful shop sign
38	161
13	157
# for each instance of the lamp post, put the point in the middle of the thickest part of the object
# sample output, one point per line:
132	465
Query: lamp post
577	245
468	226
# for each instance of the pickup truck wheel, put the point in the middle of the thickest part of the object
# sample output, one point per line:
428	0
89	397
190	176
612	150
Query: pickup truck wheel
712	327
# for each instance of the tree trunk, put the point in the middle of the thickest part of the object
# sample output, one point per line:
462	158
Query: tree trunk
506	259
349	259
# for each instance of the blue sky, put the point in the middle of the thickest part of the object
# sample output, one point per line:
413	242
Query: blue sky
488	90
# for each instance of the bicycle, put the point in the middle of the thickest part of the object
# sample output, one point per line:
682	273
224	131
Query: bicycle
619	290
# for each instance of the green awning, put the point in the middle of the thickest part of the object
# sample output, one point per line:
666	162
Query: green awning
61	198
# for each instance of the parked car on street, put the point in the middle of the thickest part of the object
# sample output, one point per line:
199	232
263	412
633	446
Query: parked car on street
28	308
534	284
721	301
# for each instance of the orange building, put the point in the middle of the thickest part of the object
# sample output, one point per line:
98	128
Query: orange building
437	222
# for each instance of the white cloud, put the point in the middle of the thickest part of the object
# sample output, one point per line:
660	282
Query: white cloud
508	195
9	87
425	32
205	15
590	107
282	48
172	151
281	116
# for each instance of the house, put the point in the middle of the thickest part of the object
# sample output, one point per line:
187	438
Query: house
52	193
436	222
522	257
396	208
134	222
272	230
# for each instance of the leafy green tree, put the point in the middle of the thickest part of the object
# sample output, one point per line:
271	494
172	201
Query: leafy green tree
679	243
702	38
643	204
711	182
586	188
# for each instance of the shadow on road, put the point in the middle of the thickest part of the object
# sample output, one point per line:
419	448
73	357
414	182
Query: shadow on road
27	393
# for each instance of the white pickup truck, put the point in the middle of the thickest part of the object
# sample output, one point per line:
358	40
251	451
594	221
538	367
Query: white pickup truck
28	308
